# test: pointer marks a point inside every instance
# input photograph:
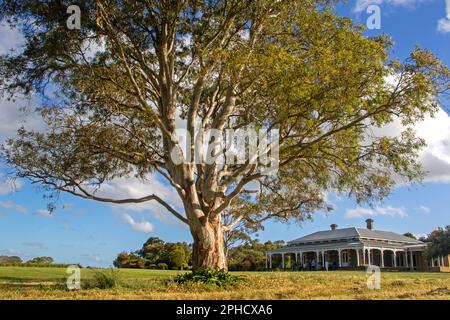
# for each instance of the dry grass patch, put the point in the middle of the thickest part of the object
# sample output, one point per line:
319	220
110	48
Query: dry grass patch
154	284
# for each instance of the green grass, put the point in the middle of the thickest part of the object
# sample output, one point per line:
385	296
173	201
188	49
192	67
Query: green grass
49	283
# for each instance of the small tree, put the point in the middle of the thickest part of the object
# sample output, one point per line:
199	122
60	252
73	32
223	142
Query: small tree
251	256
152	250
177	258
129	260
438	243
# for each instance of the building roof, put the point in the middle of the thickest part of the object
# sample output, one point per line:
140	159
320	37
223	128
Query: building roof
347	233
353	233
386	235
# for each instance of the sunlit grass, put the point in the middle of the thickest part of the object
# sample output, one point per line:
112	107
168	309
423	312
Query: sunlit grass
49	283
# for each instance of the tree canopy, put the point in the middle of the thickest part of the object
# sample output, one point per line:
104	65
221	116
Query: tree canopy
155	253
438	243
135	69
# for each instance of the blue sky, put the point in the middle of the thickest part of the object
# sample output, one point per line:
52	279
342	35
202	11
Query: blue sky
93	234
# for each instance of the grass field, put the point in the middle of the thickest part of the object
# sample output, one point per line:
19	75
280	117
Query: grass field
49	283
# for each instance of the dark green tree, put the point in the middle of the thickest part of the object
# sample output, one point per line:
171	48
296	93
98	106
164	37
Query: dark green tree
41	260
129	261
176	257
153	250
250	256
438	243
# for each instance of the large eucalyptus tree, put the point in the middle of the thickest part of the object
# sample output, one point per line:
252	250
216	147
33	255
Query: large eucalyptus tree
137	68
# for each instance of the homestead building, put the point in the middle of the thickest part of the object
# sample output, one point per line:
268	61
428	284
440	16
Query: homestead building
356	248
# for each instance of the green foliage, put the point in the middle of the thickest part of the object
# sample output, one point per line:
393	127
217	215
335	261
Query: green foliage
41	260
250	256
129	260
152	249
217	277
177	258
46	262
162	266
156	254
438	243
105	279
10	260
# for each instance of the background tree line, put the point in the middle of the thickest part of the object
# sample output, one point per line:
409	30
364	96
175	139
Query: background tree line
35	262
243	252
249	255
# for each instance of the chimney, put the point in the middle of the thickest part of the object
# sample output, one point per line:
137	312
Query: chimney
333	226
369	224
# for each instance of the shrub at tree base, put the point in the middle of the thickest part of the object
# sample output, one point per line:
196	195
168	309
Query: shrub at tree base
105	280
220	278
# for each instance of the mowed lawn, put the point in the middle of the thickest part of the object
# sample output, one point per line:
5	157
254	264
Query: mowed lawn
49	283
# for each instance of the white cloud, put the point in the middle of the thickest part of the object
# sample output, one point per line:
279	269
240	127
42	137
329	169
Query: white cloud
8	186
131	187
444	24
423	209
43	213
378	211
17	113
143	226
35	245
435	157
12	39
13	206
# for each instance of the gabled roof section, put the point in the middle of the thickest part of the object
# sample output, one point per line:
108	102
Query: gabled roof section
386	235
352	233
347	233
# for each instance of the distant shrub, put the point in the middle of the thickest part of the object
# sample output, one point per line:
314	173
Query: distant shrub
162	266
105	279
219	278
